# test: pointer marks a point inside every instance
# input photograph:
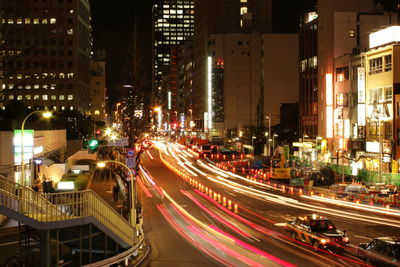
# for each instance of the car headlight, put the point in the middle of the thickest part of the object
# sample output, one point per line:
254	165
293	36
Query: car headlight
345	239
324	241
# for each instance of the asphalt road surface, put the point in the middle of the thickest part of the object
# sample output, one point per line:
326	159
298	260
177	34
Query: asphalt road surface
186	227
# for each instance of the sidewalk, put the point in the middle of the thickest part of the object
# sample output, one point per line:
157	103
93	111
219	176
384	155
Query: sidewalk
102	183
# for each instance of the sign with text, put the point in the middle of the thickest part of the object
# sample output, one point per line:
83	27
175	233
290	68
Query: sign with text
118	142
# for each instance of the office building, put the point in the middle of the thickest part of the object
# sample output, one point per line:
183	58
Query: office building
173	23
46	53
239	17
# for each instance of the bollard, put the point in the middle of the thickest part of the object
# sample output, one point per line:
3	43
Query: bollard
212	156
233	170
236	210
206	190
224	201
283	189
229	204
215	196
219	198
210	192
300	191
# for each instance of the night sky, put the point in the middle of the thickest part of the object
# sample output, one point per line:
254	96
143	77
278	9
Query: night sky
113	24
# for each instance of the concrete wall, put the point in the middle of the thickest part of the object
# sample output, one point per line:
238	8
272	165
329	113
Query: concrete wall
7	155
241	55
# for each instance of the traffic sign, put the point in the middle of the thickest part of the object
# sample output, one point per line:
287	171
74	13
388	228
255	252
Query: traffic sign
130	162
130	153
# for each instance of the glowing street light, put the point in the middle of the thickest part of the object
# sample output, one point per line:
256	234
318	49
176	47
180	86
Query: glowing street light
46	114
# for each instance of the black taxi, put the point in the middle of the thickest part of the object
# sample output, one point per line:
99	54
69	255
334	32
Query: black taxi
317	231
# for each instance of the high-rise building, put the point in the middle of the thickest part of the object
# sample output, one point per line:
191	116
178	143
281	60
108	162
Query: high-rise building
97	105
221	17
173	23
46	53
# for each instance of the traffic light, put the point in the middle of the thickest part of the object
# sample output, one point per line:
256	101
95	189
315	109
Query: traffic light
93	144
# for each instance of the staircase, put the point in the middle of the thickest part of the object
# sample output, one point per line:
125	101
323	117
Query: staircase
60	210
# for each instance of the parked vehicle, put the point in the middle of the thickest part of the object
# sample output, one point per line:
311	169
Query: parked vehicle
381	251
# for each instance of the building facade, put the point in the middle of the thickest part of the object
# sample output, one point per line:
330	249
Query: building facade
173	23
46	53
239	17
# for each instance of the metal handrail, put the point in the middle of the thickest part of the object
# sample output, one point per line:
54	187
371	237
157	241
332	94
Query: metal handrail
24	200
64	206
87	203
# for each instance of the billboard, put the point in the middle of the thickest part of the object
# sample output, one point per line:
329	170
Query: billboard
25	145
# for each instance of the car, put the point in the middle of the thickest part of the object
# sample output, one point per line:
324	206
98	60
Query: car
381	251
317	231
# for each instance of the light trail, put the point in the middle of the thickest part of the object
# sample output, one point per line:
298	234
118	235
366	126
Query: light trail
215	216
296	204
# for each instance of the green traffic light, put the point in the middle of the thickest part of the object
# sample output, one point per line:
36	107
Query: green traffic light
93	143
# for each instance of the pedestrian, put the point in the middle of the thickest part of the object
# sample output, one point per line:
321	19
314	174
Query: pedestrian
35	186
115	192
44	185
50	188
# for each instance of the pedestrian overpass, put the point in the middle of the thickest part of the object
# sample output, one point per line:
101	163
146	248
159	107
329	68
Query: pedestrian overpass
73	228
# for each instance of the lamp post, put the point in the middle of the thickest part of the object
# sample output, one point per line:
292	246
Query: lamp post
45	114
269	134
102	164
252	142
273	141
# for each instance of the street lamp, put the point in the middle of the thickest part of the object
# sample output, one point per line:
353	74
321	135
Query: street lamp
102	164
252	142
273	141
46	114
269	134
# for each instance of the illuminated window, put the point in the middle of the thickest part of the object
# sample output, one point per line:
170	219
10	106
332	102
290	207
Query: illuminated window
342	74
36	21
28	97
303	65
243	1
19	21
36	86
62	108
11	97
70	75
53	21
19	97
70	97
10	21
71	108
71	11
70	31
53	97
61	97
44	21
61	75
341	99
313	62
35	97
243	10
45	97
52	86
